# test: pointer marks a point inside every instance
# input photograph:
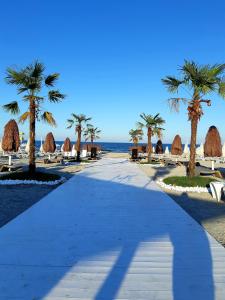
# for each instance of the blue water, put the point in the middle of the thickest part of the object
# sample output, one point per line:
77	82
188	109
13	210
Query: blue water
112	147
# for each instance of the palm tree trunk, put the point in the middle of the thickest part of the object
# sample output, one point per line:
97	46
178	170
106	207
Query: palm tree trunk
78	144
191	166
149	144
32	165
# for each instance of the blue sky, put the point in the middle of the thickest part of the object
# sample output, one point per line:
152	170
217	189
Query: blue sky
111	56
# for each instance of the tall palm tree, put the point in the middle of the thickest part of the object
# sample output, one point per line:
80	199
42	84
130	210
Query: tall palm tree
78	121
30	81
92	133
136	135
154	127
199	80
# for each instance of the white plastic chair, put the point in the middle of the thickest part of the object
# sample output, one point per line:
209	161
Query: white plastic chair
217	189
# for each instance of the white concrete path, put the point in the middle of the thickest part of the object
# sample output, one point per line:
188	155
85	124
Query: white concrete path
109	233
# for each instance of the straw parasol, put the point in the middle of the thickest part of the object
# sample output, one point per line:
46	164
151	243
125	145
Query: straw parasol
167	150
41	147
213	147
176	148
11	138
49	144
186	149
159	147
67	147
200	150
223	150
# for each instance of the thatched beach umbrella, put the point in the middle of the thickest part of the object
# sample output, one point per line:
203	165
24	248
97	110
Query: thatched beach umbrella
223	150
67	146
11	138
167	152
159	147
200	150
41	147
49	144
186	149
176	148
213	146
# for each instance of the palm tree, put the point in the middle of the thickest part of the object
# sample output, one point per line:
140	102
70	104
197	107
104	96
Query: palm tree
92	133
136	135
200	80
78	121
30	81
153	125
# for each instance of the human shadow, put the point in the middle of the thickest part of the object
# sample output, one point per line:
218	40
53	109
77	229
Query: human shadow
102	237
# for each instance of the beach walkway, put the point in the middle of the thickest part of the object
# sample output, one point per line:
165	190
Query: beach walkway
109	233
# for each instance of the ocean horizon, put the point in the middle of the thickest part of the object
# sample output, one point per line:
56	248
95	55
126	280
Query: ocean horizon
119	147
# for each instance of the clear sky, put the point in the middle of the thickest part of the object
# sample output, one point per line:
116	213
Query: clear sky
111	55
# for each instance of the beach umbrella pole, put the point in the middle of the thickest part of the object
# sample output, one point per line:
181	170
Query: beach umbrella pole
10	160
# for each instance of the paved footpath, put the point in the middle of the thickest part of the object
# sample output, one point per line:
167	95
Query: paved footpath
109	233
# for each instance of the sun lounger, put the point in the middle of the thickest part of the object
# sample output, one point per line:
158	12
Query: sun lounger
93	152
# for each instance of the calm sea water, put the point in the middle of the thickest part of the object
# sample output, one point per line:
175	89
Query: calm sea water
112	147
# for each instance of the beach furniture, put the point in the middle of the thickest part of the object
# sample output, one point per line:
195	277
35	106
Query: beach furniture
167	152
74	152
204	171
83	153
186	150
134	154
93	152
217	189
200	150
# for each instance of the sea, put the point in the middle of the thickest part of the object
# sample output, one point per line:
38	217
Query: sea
107	146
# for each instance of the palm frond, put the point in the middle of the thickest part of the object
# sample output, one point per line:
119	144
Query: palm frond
221	89
12	107
70	123
48	118
51	79
55	96
24	117
172	83
35	69
15	77
174	103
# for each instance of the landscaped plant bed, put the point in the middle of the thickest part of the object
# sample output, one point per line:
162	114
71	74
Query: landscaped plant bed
197	184
26	178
